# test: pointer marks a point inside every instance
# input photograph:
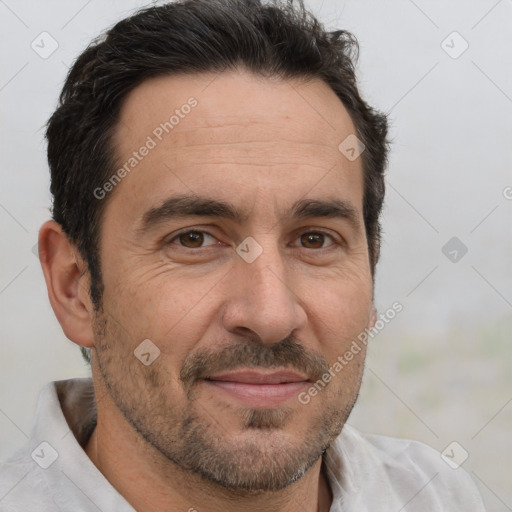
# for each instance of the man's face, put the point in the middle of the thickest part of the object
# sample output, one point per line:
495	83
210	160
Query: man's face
244	326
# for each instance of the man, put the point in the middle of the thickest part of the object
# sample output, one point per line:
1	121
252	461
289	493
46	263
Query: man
217	184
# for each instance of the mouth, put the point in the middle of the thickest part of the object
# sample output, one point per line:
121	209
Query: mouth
259	388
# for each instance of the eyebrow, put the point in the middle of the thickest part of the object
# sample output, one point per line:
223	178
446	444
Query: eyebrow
180	206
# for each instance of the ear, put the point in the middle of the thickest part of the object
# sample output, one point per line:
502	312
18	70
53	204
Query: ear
67	281
372	318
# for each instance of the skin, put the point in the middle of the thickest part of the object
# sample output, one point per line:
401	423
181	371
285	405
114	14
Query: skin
200	297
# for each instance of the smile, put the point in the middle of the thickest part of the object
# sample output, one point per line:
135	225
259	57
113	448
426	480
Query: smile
259	388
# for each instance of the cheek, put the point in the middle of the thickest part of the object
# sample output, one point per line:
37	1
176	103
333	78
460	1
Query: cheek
172	311
339	313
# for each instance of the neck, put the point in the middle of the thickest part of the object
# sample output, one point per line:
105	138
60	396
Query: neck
149	481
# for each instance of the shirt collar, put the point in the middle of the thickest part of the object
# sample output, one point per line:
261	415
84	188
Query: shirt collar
75	482
341	471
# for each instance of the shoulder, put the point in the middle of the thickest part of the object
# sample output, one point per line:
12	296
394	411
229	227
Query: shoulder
405	473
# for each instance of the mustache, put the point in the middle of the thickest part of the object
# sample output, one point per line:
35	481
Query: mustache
287	353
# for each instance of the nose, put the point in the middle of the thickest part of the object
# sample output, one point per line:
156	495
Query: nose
261	301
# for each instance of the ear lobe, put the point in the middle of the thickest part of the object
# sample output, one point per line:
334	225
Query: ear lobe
66	284
372	319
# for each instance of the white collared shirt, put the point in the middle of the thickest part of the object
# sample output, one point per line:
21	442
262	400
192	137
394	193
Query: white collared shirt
367	473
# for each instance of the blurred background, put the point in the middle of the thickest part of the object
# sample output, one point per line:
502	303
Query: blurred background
441	370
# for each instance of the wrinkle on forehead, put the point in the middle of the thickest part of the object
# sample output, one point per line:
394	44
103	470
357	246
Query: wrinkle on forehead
238	106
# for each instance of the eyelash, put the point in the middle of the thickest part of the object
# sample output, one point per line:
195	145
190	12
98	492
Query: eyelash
315	232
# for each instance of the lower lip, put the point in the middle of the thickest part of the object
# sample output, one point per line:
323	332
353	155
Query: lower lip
259	395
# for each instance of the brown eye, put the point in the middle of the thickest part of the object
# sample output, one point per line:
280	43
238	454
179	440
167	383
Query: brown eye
313	240
191	239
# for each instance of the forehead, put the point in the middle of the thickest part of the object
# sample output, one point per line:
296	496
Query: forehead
309	111
233	131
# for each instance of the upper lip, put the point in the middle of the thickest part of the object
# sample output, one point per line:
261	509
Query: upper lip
260	376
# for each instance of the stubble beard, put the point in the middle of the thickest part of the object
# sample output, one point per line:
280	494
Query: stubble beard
261	457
